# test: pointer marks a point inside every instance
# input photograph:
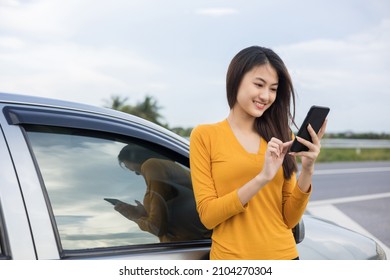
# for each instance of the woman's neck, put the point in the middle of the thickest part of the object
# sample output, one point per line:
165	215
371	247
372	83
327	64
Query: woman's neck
244	123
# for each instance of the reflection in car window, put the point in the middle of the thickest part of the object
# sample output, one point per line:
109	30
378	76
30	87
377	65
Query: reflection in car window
99	202
168	204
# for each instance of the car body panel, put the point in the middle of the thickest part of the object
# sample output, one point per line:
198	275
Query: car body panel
339	243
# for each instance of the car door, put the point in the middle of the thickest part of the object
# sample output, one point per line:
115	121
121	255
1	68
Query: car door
96	206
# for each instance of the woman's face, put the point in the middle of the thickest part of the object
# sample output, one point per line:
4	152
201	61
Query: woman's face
132	166
257	91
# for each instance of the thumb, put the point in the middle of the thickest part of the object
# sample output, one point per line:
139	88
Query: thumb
286	146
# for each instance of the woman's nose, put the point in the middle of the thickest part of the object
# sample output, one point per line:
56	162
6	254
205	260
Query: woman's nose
264	94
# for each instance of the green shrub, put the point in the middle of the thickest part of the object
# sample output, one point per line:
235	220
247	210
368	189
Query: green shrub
332	155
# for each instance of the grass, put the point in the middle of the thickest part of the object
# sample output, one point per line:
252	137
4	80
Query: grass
334	155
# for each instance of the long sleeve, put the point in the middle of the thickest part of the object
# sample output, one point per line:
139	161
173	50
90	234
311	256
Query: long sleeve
212	209
156	221
156	196
294	202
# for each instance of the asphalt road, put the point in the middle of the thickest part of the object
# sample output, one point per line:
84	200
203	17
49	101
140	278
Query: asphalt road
355	195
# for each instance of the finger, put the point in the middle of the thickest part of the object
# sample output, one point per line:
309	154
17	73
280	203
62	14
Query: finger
313	134
273	144
307	143
286	146
277	148
274	151
276	145
322	129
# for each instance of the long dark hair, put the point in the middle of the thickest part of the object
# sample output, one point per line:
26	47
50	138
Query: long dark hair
276	121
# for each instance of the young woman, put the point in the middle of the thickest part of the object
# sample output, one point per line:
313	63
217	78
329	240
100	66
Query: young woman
244	177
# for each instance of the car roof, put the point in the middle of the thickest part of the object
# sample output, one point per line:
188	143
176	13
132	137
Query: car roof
11	98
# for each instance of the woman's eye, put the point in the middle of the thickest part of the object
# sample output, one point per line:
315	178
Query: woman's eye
259	85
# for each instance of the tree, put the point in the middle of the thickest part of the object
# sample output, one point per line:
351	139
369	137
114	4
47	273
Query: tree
117	102
185	132
147	109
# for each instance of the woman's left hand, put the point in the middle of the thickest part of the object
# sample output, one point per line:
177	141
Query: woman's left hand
309	157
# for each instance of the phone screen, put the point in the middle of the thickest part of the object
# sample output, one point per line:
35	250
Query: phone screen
315	117
113	201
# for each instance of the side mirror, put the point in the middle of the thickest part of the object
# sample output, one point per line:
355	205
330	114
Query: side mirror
299	232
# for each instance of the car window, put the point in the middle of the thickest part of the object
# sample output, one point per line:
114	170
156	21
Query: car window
98	201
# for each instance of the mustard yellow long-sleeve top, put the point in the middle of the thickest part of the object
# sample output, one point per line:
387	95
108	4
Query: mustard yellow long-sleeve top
261	229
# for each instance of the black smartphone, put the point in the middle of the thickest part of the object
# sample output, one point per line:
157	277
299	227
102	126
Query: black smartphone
113	201
315	117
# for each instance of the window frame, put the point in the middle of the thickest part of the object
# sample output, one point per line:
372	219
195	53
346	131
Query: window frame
131	127
3	249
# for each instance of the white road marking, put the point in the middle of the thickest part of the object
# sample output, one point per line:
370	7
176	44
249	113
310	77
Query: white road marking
351	170
349	199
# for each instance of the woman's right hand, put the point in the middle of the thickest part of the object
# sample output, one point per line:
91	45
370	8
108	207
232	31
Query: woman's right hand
131	212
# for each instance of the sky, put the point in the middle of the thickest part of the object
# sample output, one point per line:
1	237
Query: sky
178	51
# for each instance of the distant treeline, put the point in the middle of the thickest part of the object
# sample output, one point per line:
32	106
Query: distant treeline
353	135
341	135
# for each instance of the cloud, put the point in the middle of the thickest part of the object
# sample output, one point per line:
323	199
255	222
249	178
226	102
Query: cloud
11	43
216	12
363	57
348	74
72	71
35	19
